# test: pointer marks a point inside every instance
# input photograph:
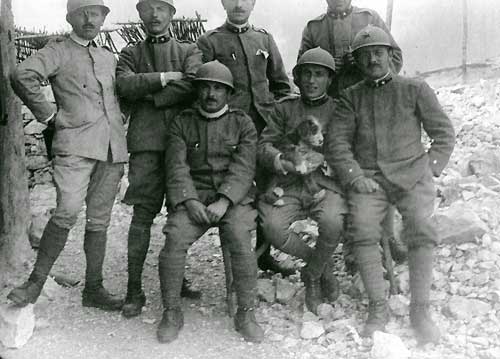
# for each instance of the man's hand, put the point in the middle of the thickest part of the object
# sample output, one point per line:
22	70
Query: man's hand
197	211
365	185
218	209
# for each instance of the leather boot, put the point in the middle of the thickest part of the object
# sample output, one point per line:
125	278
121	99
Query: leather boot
94	294
138	245
188	292
246	324
266	261
369	261
330	287
378	317
420	261
171	324
314	296
133	304
311	274
51	244
100	298
425	329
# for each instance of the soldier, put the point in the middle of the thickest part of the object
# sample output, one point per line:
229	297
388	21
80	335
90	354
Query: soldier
259	79
334	32
89	146
210	165
374	146
154	79
313	74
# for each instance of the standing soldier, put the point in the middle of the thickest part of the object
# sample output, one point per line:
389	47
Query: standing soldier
313	74
259	79
210	157
89	146
334	31
154	79
374	146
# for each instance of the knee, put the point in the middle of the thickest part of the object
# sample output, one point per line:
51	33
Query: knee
363	231
420	231
67	211
97	224
143	215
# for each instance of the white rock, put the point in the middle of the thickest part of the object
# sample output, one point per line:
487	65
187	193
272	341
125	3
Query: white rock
325	311
16	325
459	225
466	309
311	330
285	291
51	289
266	290
388	346
399	305
34	128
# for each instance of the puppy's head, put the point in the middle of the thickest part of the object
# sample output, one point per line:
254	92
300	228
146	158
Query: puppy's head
309	132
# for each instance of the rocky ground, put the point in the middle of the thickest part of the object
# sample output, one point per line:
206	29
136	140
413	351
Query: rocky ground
465	294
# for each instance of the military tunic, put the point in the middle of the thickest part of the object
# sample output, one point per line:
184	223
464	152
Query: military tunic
297	202
89	146
152	107
206	159
256	64
377	134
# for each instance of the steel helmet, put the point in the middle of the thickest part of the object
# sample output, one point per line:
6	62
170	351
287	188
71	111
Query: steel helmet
316	56
214	71
371	36
168	2
74	5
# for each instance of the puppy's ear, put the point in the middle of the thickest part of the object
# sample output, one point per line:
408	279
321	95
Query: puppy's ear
314	125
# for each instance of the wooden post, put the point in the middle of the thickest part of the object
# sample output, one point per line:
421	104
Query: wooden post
14	195
465	39
388	17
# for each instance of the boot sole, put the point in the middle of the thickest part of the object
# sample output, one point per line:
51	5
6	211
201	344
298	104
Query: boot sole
250	339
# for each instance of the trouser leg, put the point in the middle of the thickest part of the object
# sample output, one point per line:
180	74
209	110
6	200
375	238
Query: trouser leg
367	212
180	233
276	222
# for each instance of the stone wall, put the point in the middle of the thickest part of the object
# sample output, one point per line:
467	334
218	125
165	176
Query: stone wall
38	165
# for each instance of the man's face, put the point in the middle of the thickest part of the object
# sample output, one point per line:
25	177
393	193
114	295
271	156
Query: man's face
213	96
314	81
339	5
156	16
238	11
87	21
373	61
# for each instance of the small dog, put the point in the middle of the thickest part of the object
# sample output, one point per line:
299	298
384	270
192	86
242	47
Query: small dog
300	147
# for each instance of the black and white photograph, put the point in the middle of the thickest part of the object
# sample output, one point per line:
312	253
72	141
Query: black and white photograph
249	179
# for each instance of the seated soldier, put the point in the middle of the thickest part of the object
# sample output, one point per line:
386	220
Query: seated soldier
313	75
374	146
210	167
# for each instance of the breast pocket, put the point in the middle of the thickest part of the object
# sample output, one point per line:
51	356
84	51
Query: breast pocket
195	155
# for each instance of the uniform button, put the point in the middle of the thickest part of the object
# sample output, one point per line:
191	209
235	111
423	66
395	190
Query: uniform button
435	162
350	170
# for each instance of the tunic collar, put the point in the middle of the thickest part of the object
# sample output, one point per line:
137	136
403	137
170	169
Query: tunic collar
82	42
380	82
339	15
213	115
158	39
315	102
236	28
